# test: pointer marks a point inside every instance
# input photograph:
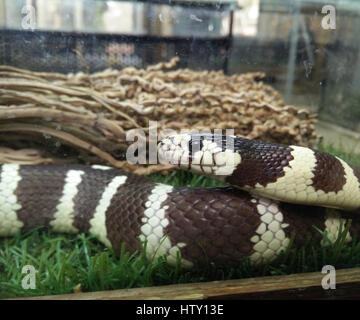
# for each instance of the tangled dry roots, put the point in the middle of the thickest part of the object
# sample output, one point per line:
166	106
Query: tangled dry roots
51	117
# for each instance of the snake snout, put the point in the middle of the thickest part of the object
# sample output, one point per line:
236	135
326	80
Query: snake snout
202	153
174	150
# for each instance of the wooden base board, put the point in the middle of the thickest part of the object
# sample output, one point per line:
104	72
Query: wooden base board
295	286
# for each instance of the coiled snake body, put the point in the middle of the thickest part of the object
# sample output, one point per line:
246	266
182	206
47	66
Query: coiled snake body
221	224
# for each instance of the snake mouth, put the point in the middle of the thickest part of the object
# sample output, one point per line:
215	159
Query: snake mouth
208	154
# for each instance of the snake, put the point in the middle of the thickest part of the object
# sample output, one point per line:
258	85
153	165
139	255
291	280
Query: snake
271	192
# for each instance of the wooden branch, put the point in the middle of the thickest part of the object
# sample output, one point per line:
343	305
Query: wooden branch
42	100
20	85
46	75
91	119
72	140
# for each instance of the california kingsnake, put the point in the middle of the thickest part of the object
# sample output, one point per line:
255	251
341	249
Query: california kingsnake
221	224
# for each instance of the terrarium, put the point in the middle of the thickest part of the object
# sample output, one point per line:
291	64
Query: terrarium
179	149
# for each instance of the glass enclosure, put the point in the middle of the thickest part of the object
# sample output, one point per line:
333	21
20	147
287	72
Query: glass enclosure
82	81
312	62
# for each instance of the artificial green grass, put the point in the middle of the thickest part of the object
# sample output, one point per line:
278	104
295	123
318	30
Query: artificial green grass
64	262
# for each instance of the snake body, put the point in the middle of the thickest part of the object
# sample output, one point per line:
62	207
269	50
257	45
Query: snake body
218	224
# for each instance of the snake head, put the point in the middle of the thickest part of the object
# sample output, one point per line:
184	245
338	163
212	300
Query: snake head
205	153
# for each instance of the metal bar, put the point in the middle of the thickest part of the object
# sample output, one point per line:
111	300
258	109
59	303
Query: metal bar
292	54
229	43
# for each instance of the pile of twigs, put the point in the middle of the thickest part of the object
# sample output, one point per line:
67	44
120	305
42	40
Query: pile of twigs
51	117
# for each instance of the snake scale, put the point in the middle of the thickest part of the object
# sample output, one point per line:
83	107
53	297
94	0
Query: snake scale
274	190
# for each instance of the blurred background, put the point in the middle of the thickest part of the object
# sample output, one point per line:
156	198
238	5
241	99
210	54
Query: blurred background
314	66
